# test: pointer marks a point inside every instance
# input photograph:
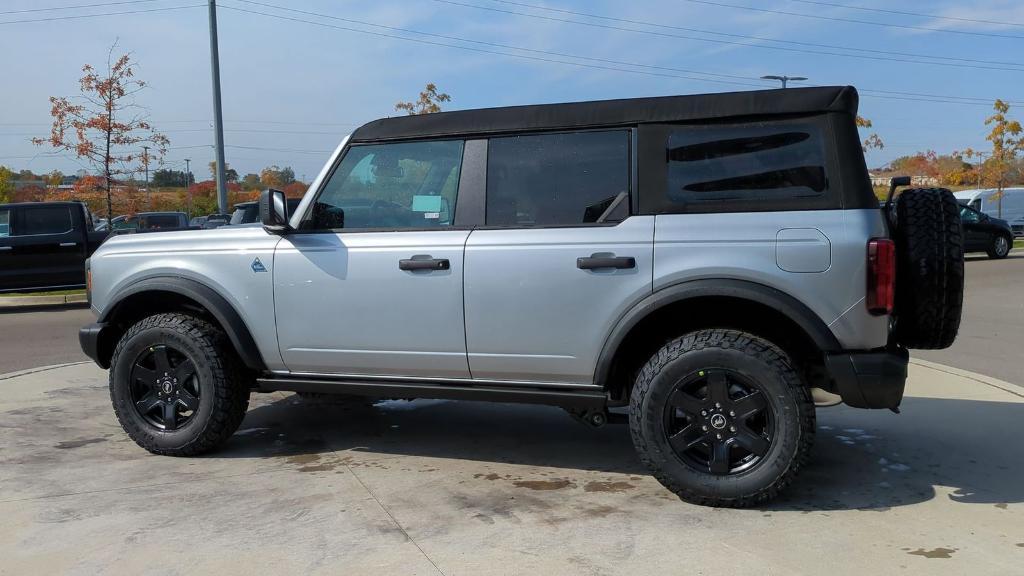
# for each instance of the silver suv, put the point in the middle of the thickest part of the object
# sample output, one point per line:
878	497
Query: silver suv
714	265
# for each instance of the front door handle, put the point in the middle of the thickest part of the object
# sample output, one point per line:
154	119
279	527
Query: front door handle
68	244
422	263
2	248
597	262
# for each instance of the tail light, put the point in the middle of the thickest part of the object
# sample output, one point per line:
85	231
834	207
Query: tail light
881	276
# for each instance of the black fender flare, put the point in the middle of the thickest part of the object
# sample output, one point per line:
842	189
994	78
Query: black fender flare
209	299
804	317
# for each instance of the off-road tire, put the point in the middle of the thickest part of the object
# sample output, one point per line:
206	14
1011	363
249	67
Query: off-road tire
762	361
997	251
929	268
224	392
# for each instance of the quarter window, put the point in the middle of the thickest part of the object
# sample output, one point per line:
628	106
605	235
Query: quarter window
558	179
721	165
44	220
391	186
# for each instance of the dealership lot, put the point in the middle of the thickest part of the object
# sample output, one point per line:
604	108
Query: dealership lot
434	487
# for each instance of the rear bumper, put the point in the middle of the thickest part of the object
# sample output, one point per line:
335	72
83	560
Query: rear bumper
870	379
90	337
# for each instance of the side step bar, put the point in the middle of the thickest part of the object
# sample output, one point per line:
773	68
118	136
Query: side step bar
411	389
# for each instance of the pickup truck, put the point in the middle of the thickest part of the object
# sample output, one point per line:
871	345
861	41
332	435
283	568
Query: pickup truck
44	245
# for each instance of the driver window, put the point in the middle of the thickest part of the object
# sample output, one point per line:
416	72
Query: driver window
969	216
391	186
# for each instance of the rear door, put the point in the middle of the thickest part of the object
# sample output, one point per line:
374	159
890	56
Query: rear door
45	248
559	259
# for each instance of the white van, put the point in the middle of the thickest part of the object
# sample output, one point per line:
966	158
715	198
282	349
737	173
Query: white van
985	200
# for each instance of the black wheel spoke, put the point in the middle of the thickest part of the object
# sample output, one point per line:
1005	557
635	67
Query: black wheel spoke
143	375
163	364
718	387
147	403
687	438
183	371
691	405
719	461
755	443
170	415
749	405
188	400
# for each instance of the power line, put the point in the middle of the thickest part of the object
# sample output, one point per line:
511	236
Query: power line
77	6
485	51
56	18
853	21
749	81
725	34
280	149
903	13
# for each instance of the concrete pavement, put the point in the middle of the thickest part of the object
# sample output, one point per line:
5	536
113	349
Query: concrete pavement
432	487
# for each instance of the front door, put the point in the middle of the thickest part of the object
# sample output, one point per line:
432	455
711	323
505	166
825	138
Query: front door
371	283
559	260
43	249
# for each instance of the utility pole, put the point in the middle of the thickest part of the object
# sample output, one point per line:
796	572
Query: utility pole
145	164
783	79
218	121
188	189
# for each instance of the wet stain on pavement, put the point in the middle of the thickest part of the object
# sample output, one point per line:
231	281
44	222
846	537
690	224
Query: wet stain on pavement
607	486
934	553
544	484
1001	505
491	476
68	444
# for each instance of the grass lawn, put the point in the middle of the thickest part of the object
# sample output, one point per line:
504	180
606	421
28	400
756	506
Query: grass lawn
53	293
1018	243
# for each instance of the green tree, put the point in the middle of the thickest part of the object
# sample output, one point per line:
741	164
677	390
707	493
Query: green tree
429	102
166	178
230	174
873	141
6	184
251	181
1007	142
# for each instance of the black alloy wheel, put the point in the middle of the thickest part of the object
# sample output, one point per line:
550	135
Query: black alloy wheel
719	422
165	387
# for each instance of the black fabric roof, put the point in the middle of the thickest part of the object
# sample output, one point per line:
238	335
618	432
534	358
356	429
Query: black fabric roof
623	112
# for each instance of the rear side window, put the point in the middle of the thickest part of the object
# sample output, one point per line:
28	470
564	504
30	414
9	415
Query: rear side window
722	165
44	220
5	223
558	179
159	221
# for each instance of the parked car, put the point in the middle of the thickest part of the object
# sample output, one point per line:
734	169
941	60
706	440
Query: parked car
43	245
1010	209
716	264
216	221
249	212
983	233
197	221
150	222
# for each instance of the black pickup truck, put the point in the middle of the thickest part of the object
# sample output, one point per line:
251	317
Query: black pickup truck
43	245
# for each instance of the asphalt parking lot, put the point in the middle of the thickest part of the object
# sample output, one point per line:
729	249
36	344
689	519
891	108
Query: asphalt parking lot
433	487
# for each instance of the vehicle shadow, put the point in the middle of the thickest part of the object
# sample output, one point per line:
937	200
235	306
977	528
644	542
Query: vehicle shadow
867	460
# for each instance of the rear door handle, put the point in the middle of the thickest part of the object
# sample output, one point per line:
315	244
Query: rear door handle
6	248
424	264
596	262
68	244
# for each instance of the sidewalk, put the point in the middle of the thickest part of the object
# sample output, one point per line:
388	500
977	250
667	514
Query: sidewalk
16	301
433	487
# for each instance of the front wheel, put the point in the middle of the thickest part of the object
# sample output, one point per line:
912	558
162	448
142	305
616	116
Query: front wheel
177	386
1000	247
721	418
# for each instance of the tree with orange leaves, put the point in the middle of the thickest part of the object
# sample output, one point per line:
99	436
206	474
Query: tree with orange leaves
104	126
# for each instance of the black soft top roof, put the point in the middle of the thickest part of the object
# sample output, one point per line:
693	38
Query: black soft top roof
630	111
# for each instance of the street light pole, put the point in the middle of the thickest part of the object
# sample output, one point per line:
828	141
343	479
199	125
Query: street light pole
783	79
218	122
145	164
188	189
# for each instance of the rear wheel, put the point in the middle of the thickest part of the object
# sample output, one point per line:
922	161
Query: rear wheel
177	386
721	418
1000	247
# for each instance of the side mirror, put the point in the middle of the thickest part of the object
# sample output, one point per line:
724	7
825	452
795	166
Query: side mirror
274	211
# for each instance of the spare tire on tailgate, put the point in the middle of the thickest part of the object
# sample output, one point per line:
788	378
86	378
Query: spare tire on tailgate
929	268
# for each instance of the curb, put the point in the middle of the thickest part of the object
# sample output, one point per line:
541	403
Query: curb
38	301
1010	387
28	371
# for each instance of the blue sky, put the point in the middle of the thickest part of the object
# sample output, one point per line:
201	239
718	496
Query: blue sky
292	89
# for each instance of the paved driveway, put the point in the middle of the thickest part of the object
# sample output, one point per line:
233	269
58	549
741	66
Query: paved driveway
433	487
